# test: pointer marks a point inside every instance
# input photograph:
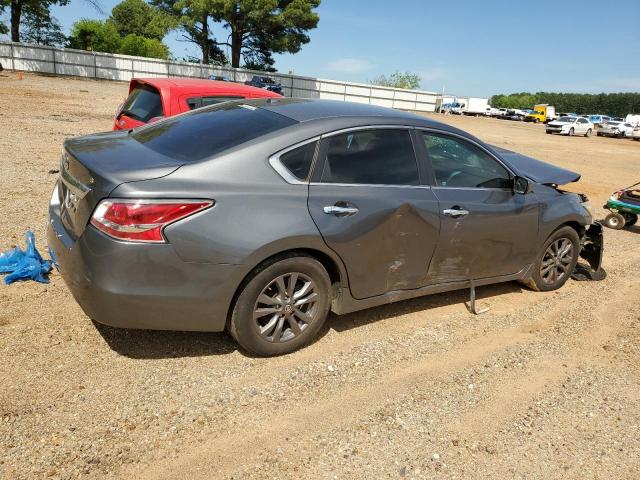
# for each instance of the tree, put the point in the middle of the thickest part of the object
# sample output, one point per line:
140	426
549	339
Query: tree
95	35
41	28
194	18
3	28
407	80
136	17
18	7
143	47
260	28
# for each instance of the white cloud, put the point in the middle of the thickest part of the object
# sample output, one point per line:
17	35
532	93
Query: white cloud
350	65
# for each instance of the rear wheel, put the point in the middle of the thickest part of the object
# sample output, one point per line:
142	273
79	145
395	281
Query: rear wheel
556	262
630	219
615	221
282	307
588	133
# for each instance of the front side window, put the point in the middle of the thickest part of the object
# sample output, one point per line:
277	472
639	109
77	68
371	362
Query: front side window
143	104
461	164
371	157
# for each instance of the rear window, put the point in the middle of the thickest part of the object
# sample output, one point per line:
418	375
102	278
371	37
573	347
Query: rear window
207	131
143	104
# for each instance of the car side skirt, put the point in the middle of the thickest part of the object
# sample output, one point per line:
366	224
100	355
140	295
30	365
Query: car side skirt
344	303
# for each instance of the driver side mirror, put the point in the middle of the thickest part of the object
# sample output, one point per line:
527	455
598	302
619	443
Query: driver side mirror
521	185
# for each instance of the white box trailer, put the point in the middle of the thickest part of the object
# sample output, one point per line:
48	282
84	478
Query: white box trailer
475	106
633	120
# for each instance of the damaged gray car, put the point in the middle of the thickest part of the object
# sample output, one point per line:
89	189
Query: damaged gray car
260	217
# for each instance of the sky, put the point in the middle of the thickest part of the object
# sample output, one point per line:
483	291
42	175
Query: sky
464	47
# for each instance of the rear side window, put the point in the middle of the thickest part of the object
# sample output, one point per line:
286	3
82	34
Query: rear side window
143	104
207	131
373	157
197	102
298	161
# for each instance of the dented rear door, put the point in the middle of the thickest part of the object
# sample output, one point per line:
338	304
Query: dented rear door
369	203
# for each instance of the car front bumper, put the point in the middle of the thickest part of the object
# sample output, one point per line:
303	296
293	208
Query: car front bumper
593	246
136	285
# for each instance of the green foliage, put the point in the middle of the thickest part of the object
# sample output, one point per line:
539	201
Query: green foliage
38	26
36	9
257	28
613	104
143	47
408	80
134	28
136	17
96	35
4	29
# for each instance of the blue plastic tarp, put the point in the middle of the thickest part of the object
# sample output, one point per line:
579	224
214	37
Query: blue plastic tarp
25	264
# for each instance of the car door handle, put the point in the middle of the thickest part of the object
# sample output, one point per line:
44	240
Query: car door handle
455	212
339	210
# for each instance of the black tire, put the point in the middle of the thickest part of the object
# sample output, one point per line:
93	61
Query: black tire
630	219
542	278
282	337
571	132
615	221
588	133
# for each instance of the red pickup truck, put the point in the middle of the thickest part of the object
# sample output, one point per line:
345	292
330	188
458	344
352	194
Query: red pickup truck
153	98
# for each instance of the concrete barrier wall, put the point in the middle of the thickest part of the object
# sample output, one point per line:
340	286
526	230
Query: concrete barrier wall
65	61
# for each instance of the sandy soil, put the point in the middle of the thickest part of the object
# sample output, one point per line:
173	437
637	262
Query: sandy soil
543	386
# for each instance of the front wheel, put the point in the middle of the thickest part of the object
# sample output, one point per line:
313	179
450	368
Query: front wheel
282	307
557	260
588	133
571	132
615	221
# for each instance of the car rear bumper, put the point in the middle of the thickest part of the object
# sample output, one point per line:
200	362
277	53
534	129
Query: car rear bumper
145	286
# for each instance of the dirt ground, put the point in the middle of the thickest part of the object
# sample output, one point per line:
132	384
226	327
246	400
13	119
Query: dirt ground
543	386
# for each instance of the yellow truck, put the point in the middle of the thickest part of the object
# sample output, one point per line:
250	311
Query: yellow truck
542	113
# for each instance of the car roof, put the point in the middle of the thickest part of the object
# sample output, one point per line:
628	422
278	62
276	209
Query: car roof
309	109
206	85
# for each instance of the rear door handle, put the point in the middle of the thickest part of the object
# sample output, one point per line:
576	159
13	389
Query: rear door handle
455	212
338	210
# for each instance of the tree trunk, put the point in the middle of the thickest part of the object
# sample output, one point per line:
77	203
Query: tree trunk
204	40
16	13
236	48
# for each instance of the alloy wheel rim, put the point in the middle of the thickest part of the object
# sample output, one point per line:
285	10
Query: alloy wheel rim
557	260
286	307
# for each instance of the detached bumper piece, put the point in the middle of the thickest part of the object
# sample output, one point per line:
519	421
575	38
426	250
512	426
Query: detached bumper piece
592	249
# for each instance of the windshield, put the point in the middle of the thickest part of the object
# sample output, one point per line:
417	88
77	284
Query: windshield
266	80
566	119
143	104
613	123
207	131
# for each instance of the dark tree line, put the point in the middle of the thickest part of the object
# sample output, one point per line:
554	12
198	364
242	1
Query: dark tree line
612	104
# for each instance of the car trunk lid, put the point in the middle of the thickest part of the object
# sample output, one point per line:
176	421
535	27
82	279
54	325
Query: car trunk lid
93	166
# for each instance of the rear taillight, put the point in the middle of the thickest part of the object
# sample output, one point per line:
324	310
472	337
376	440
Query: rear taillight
142	220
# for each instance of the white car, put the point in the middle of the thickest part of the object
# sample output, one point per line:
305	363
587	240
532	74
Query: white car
636	133
616	129
571	126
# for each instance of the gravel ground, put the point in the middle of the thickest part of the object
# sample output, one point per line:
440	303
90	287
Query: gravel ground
544	385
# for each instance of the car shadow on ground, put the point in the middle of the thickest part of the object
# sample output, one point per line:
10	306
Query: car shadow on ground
156	344
152	344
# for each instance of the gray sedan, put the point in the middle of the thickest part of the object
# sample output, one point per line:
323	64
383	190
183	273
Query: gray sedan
260	217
